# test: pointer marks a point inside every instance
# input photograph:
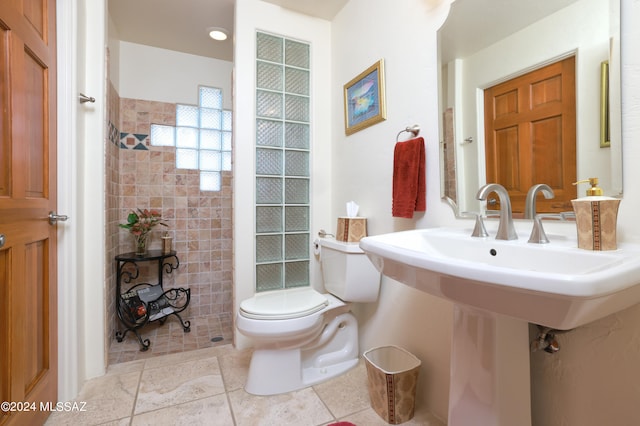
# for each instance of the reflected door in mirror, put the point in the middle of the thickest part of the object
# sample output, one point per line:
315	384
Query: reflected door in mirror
530	126
448	155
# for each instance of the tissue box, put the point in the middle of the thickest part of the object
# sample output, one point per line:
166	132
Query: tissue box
351	229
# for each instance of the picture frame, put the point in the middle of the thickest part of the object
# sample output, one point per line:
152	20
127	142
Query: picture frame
605	131
364	99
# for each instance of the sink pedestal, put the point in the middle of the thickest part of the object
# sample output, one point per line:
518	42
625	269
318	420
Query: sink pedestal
490	376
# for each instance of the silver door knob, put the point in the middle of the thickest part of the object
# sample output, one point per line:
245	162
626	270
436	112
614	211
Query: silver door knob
54	217
2	240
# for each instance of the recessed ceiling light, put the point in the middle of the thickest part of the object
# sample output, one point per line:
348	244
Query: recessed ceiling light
217	33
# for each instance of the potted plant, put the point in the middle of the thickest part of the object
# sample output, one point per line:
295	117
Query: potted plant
140	223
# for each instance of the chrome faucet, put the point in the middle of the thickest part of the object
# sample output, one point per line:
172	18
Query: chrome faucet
506	230
530	202
538	236
478	230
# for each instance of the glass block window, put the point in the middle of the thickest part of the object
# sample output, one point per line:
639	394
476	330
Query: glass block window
163	135
202	137
283	162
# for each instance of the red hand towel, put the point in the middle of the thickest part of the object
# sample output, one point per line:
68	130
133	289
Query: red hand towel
409	179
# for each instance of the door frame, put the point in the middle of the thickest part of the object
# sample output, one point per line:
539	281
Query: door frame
81	242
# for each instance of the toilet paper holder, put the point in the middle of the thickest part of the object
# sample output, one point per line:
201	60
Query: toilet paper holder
323	234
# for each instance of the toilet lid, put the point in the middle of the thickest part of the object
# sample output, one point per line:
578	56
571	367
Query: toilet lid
284	304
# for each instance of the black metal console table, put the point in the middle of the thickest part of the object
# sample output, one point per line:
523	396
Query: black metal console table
144	302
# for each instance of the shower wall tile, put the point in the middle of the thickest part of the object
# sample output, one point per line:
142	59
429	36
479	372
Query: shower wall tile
112	185
200	222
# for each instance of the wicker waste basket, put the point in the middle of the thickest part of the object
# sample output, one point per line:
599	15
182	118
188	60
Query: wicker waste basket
393	377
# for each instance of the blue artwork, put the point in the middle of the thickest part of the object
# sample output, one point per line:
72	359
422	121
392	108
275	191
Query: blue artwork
362	99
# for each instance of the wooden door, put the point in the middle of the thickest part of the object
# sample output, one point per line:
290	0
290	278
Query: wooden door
530	135
28	302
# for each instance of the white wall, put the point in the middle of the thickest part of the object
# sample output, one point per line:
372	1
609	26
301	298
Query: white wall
252	16
69	353
404	35
91	136
163	75
81	253
113	44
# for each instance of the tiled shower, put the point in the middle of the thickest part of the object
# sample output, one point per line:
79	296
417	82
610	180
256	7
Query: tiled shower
140	175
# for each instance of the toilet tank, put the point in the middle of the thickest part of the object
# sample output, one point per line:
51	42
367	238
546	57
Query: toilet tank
347	272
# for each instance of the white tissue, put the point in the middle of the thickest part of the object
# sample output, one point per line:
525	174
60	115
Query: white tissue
352	209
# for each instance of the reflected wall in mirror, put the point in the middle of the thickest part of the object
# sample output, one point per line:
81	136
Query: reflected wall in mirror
487	42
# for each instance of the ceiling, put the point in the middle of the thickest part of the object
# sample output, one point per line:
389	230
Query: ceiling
475	24
181	25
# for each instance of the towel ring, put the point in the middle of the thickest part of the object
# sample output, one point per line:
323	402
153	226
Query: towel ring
414	130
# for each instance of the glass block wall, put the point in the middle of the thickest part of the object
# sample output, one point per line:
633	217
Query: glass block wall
202	137
282	163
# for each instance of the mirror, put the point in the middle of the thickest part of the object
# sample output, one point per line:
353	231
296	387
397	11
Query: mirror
486	42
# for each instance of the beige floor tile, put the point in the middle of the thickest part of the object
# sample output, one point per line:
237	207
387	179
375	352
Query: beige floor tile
126	367
212	411
177	358
130	343
178	383
122	422
347	393
299	408
171	338
189	388
235	366
369	417
107	398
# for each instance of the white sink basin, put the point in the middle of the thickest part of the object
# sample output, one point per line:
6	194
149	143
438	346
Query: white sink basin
555	284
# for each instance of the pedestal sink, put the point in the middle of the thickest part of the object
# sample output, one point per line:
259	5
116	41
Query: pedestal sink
497	288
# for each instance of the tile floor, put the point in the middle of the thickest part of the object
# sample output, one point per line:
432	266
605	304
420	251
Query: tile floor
171	338
205	387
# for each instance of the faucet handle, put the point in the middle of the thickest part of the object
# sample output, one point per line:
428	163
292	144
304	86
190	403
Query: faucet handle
478	230
538	236
557	216
568	215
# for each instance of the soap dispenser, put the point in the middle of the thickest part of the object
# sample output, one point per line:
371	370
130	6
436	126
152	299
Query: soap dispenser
596	218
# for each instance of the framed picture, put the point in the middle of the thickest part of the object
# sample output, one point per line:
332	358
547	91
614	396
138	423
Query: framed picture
364	103
605	132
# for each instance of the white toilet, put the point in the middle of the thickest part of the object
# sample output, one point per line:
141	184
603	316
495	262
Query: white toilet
302	337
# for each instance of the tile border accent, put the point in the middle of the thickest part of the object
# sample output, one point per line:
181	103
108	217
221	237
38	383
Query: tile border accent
135	141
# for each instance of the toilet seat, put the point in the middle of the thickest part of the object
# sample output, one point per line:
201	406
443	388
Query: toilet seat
283	304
